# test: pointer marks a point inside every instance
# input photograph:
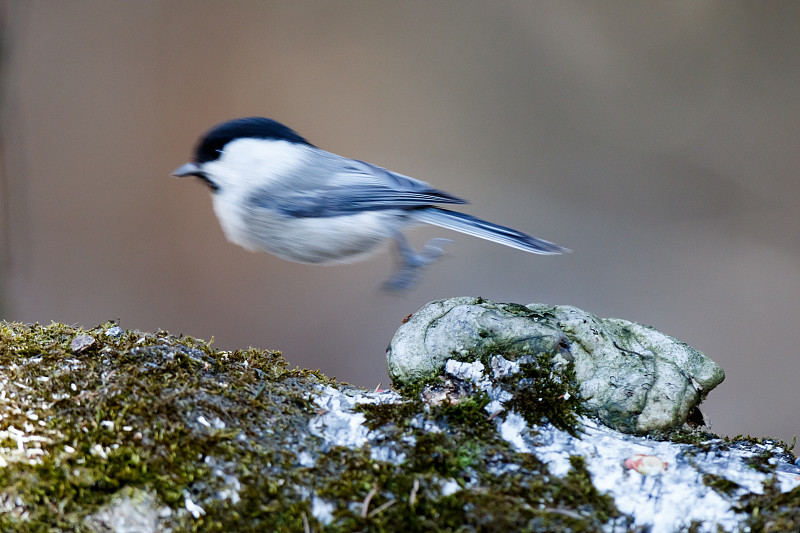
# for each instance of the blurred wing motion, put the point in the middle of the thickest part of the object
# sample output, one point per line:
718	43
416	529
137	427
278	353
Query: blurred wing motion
355	188
332	202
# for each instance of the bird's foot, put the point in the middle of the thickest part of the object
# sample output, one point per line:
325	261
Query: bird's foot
412	264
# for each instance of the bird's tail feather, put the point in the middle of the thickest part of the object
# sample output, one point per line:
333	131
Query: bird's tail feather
486	230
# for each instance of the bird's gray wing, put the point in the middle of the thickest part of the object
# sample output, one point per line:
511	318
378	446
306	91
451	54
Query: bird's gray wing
354	188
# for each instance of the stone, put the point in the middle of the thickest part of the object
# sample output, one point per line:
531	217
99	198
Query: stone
81	343
167	433
633	378
466	329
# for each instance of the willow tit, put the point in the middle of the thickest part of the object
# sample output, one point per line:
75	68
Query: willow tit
272	190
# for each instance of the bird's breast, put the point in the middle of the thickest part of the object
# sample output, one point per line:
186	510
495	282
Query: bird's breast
337	239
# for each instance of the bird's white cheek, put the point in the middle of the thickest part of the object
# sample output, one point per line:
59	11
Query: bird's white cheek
246	164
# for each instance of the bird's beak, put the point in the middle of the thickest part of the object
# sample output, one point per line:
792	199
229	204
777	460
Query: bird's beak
189	169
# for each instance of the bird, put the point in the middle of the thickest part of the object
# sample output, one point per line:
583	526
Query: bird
274	191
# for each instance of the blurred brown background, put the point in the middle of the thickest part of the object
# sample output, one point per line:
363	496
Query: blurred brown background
660	141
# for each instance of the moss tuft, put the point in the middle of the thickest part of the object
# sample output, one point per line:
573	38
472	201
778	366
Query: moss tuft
772	511
546	391
720	484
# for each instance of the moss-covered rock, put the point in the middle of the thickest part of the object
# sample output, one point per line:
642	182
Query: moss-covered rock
634	378
196	428
111	429
116	430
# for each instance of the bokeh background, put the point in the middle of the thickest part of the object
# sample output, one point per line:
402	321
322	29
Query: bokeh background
660	141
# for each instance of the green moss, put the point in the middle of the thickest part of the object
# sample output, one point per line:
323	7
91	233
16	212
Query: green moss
464	413
720	484
760	462
126	411
414	389
772	511
172	416
767	442
694	436
433	453
409	497
519	496
468	414
579	482
380	415
546	391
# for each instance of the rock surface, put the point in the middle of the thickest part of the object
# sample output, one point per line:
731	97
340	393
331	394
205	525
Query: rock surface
151	432
634	378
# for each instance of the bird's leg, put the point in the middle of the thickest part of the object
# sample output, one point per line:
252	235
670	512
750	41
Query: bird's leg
411	264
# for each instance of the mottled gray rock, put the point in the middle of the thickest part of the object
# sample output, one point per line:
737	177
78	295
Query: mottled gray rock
635	378
81	343
466	329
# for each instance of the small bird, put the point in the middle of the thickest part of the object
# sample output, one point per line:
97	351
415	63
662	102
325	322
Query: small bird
274	191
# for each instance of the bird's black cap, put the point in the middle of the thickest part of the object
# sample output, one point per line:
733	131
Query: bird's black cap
217	137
